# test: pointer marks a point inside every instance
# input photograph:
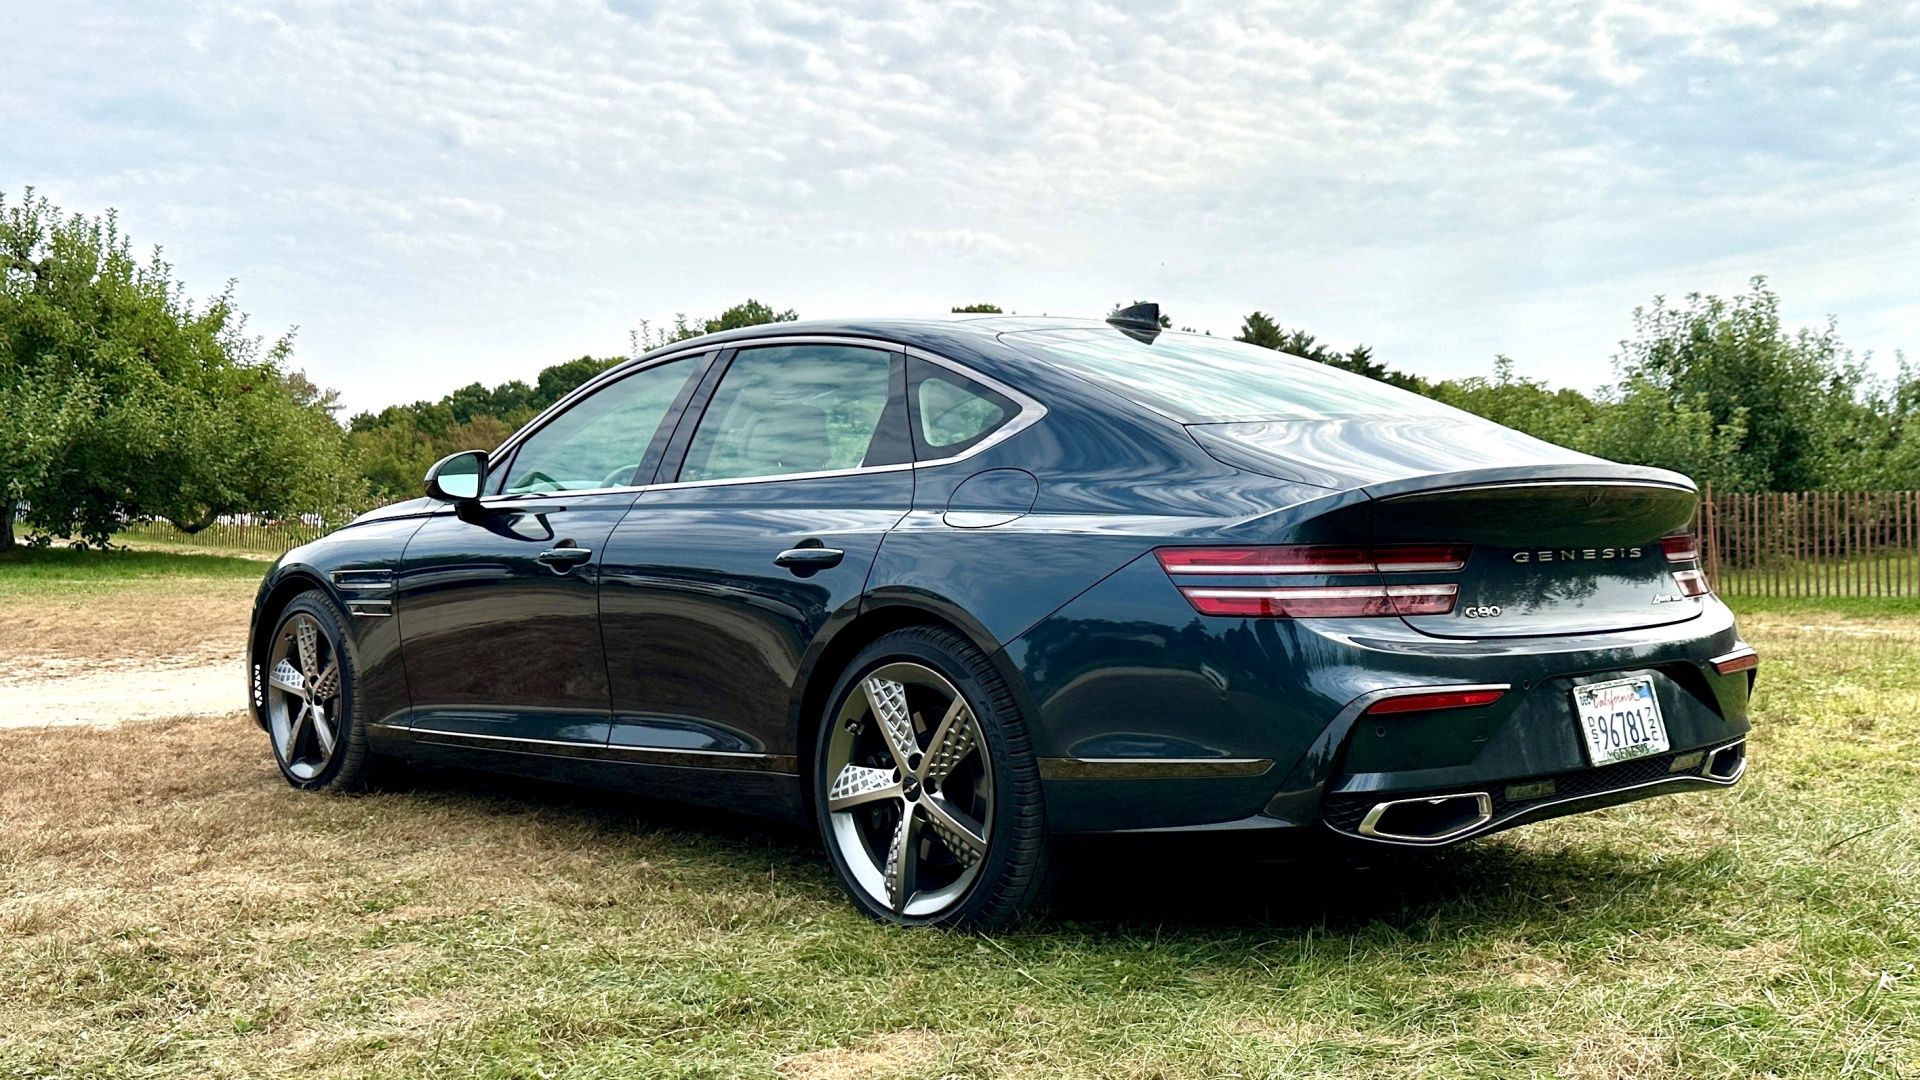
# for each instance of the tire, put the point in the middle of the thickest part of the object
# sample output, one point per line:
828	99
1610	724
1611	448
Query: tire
967	803
323	750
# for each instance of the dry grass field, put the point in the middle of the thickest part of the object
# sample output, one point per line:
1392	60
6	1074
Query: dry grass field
169	908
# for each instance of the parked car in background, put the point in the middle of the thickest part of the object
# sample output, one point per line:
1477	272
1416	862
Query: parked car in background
953	589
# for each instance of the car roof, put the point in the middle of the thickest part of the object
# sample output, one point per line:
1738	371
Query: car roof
922	331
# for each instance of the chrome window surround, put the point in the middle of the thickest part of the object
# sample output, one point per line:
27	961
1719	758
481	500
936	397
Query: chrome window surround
1031	412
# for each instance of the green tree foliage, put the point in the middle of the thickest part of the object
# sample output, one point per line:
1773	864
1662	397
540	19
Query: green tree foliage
978	309
1714	388
120	398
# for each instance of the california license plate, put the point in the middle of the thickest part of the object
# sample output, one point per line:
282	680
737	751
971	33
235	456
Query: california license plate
1620	719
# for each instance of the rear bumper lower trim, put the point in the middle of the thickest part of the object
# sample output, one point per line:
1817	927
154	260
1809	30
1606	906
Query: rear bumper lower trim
1073	768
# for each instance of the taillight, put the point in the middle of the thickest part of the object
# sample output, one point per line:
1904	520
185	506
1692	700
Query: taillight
1217	597
1684	549
1311	559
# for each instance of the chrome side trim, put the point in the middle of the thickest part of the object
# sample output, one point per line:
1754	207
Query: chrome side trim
1483	813
632	755
1073	768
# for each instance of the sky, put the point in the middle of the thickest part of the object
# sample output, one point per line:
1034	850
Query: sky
440	192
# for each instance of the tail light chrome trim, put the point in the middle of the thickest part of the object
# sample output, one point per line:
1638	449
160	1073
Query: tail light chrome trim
1341	601
1313	559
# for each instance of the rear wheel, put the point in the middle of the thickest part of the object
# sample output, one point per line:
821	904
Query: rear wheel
311	698
925	786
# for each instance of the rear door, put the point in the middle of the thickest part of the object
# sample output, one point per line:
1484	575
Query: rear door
772	506
498	603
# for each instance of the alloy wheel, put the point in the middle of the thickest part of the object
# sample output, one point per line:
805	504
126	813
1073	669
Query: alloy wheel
303	696
910	790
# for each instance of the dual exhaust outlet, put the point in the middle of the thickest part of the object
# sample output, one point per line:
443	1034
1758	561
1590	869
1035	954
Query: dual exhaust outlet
1436	818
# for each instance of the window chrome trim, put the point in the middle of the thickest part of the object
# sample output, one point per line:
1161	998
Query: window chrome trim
1031	412
613	374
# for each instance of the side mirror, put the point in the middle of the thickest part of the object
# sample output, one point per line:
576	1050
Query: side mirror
456	477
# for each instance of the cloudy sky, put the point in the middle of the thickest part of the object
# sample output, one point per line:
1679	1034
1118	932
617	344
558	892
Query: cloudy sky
438	192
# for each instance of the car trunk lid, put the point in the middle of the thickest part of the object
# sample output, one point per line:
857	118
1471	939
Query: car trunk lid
1559	542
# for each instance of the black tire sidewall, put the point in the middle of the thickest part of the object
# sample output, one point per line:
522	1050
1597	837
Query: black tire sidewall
1003	734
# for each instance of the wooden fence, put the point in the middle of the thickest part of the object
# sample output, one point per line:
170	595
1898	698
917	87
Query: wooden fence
1812	543
234	534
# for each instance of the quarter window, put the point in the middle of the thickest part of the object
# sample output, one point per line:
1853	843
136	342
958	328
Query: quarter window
795	409
952	412
600	441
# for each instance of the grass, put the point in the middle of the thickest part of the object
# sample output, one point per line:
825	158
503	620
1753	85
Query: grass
169	908
61	608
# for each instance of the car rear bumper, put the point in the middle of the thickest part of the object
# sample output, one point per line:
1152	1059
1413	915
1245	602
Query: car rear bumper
1235	726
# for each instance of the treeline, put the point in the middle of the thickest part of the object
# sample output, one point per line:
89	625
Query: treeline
1718	389
123	399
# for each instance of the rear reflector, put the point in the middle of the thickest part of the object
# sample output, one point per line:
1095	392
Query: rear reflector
1312	559
1331	602
1428	701
1691	582
1744	660
1682	549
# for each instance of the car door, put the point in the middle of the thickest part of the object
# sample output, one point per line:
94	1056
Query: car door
498	599
716	582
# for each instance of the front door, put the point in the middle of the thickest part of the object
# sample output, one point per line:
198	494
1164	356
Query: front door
715	585
498	601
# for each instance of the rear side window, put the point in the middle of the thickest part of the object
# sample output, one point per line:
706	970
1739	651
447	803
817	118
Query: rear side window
951	412
1197	379
790	409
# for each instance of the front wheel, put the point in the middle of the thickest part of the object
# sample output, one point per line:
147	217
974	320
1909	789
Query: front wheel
926	788
311	699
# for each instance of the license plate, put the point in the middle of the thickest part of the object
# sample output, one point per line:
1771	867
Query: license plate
1620	719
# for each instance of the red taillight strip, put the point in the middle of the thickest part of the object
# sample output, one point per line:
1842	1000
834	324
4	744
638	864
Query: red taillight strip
1681	549
1312	559
1737	660
1435	698
1344	601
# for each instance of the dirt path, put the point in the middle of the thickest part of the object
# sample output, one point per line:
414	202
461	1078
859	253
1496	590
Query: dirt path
105	694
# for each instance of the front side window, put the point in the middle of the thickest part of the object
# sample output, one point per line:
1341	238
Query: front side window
951	412
598	443
794	409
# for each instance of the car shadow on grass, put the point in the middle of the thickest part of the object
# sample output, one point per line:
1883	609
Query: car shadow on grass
1160	888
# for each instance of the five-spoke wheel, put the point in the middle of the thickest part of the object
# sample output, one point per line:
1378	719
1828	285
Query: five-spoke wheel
913	765
308	672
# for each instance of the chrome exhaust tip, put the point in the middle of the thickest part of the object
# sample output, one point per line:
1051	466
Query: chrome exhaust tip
1428	820
1727	763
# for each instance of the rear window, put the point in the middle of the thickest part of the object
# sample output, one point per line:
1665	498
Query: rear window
1196	379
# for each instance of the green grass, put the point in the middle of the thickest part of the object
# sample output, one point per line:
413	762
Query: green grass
61	570
169	908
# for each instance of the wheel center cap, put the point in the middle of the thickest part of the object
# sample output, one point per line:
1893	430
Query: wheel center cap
911	789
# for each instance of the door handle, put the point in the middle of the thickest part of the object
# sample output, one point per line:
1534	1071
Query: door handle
805	560
566	556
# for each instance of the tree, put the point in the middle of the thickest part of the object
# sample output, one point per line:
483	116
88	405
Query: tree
978	309
123	399
750	313
1260	329
1796	396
